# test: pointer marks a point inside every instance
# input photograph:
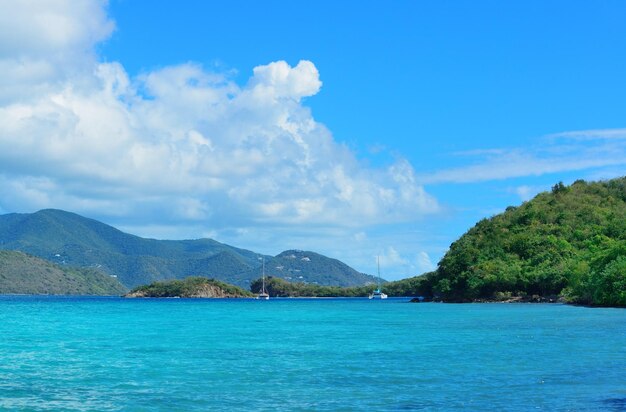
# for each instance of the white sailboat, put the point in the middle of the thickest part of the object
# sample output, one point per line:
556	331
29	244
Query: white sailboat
263	294
378	294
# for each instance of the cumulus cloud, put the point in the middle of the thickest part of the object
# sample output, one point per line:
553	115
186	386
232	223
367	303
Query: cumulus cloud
46	42
391	257
279	80
397	264
179	143
41	27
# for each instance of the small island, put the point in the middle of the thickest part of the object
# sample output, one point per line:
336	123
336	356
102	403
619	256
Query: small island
191	287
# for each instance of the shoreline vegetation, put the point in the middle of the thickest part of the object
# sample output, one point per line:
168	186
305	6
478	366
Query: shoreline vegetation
199	287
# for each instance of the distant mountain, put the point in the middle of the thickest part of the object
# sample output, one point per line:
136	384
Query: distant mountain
72	240
311	267
24	274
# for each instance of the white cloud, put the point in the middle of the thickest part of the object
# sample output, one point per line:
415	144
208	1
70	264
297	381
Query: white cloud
390	258
397	264
424	263
42	27
44	43
595	134
278	80
526	192
551	156
178	144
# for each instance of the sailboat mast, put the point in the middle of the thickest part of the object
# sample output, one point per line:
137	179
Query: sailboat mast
378	263
263	275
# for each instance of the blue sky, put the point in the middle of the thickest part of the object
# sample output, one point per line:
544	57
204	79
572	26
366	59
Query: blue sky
348	128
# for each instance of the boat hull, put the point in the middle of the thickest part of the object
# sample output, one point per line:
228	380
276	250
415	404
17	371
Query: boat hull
378	296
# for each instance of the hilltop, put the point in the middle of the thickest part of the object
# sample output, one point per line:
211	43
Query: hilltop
570	241
299	266
69	239
24	274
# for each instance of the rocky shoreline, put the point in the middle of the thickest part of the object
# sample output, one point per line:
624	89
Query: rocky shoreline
204	291
514	299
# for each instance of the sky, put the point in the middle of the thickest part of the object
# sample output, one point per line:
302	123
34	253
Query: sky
355	129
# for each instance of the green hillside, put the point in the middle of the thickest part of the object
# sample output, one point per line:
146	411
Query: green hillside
69	239
24	274
72	240
298	266
569	241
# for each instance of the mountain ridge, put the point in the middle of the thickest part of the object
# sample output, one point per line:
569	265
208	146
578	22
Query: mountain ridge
70	239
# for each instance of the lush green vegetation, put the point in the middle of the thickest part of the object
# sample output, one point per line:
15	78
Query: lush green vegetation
191	287
570	241
416	286
278	287
24	274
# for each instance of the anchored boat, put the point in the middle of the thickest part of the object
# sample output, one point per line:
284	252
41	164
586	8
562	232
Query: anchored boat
263	294
378	294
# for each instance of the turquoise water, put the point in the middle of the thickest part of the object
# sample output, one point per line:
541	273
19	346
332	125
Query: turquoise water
295	354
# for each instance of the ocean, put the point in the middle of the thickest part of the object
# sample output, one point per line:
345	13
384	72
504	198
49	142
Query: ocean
115	354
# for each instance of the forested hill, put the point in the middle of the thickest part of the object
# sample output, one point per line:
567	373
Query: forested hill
308	267
24	274
69	239
569	241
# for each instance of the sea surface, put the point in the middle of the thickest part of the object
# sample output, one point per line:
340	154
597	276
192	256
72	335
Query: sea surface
114	354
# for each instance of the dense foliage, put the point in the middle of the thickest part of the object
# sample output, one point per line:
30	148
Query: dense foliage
416	286
570	241
277	287
24	274
193	286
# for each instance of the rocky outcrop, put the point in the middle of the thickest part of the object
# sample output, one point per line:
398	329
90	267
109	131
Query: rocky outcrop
210	291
